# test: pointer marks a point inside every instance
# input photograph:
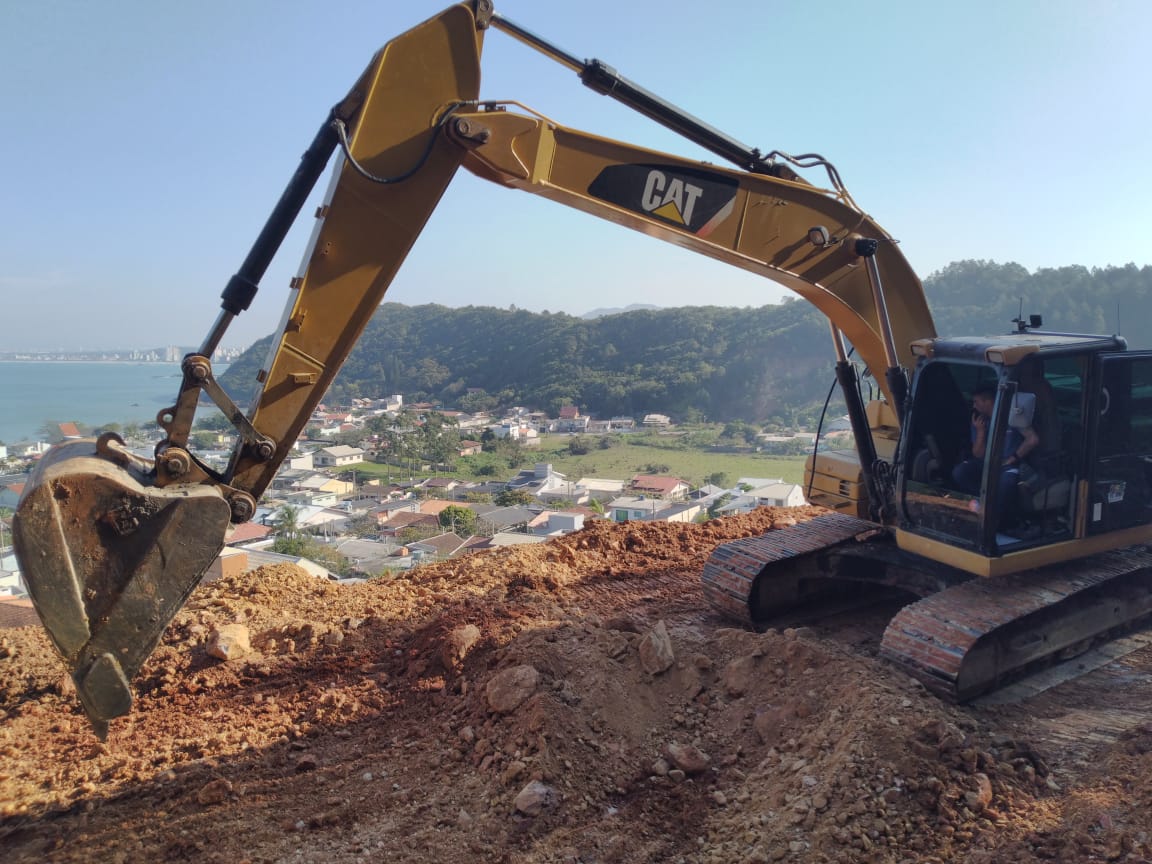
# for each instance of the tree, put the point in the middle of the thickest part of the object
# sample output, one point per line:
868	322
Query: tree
514	498
717	478
50	431
213	421
440	439
287	521
363	525
714	507
459	520
203	440
577	446
307	547
416	533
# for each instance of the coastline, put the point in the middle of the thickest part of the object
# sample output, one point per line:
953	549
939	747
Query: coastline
93	393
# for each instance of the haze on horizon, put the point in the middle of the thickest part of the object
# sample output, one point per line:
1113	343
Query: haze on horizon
149	142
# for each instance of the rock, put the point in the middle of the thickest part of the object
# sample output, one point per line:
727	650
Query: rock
687	758
656	654
306	763
739	675
768	723
215	792
979	800
622	623
512	772
228	642
509	688
534	797
719	797
457	645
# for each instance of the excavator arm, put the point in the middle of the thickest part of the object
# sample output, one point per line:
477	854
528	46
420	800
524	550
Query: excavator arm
113	544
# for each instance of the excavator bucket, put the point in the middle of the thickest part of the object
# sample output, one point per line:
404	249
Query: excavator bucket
109	560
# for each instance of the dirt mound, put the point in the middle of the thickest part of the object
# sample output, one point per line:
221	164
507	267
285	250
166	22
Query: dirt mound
570	702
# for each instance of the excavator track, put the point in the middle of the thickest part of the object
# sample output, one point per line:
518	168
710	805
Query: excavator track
732	577
972	638
961	636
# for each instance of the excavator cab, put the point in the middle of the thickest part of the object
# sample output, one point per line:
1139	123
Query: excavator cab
1089	403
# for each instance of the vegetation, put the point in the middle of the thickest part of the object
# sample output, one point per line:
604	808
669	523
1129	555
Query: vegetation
769	366
457	519
514	498
291	539
629	455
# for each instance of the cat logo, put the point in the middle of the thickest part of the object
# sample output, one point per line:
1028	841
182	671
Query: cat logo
670	197
689	198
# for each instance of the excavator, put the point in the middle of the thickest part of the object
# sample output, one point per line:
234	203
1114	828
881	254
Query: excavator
998	578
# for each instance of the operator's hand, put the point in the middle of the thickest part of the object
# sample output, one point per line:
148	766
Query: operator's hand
980	422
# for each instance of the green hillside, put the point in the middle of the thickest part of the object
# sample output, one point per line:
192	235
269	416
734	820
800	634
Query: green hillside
771	364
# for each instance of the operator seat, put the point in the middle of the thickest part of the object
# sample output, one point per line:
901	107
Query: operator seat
1046	478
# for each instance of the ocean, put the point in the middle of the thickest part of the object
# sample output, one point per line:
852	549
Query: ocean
34	393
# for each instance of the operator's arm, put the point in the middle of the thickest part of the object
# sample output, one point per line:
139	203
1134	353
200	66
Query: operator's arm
1029	443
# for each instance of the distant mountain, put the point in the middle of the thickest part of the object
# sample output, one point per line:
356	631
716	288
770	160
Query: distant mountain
603	313
768	364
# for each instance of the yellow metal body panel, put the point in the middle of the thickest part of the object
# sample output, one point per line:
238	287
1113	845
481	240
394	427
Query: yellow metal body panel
366	229
1027	559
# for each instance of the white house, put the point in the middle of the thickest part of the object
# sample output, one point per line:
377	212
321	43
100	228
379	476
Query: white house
521	432
778	494
630	509
552	523
301	462
338	456
600	488
652	510
11	583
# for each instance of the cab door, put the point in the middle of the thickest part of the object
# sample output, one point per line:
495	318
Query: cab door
1120	454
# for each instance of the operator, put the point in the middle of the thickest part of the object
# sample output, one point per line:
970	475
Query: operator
1018	443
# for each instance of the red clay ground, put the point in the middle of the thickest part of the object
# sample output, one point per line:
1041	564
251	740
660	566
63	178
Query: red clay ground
522	706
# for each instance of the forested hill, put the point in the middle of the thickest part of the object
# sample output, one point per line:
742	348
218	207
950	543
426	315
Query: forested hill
720	363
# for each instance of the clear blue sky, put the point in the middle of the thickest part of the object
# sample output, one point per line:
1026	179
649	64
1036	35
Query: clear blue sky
145	143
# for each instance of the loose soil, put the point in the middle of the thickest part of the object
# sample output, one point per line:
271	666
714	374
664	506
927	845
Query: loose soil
568	702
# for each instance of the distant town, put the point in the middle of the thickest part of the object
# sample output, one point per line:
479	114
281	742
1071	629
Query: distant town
169	354
380	485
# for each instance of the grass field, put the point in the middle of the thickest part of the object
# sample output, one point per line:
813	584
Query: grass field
639	454
694	466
